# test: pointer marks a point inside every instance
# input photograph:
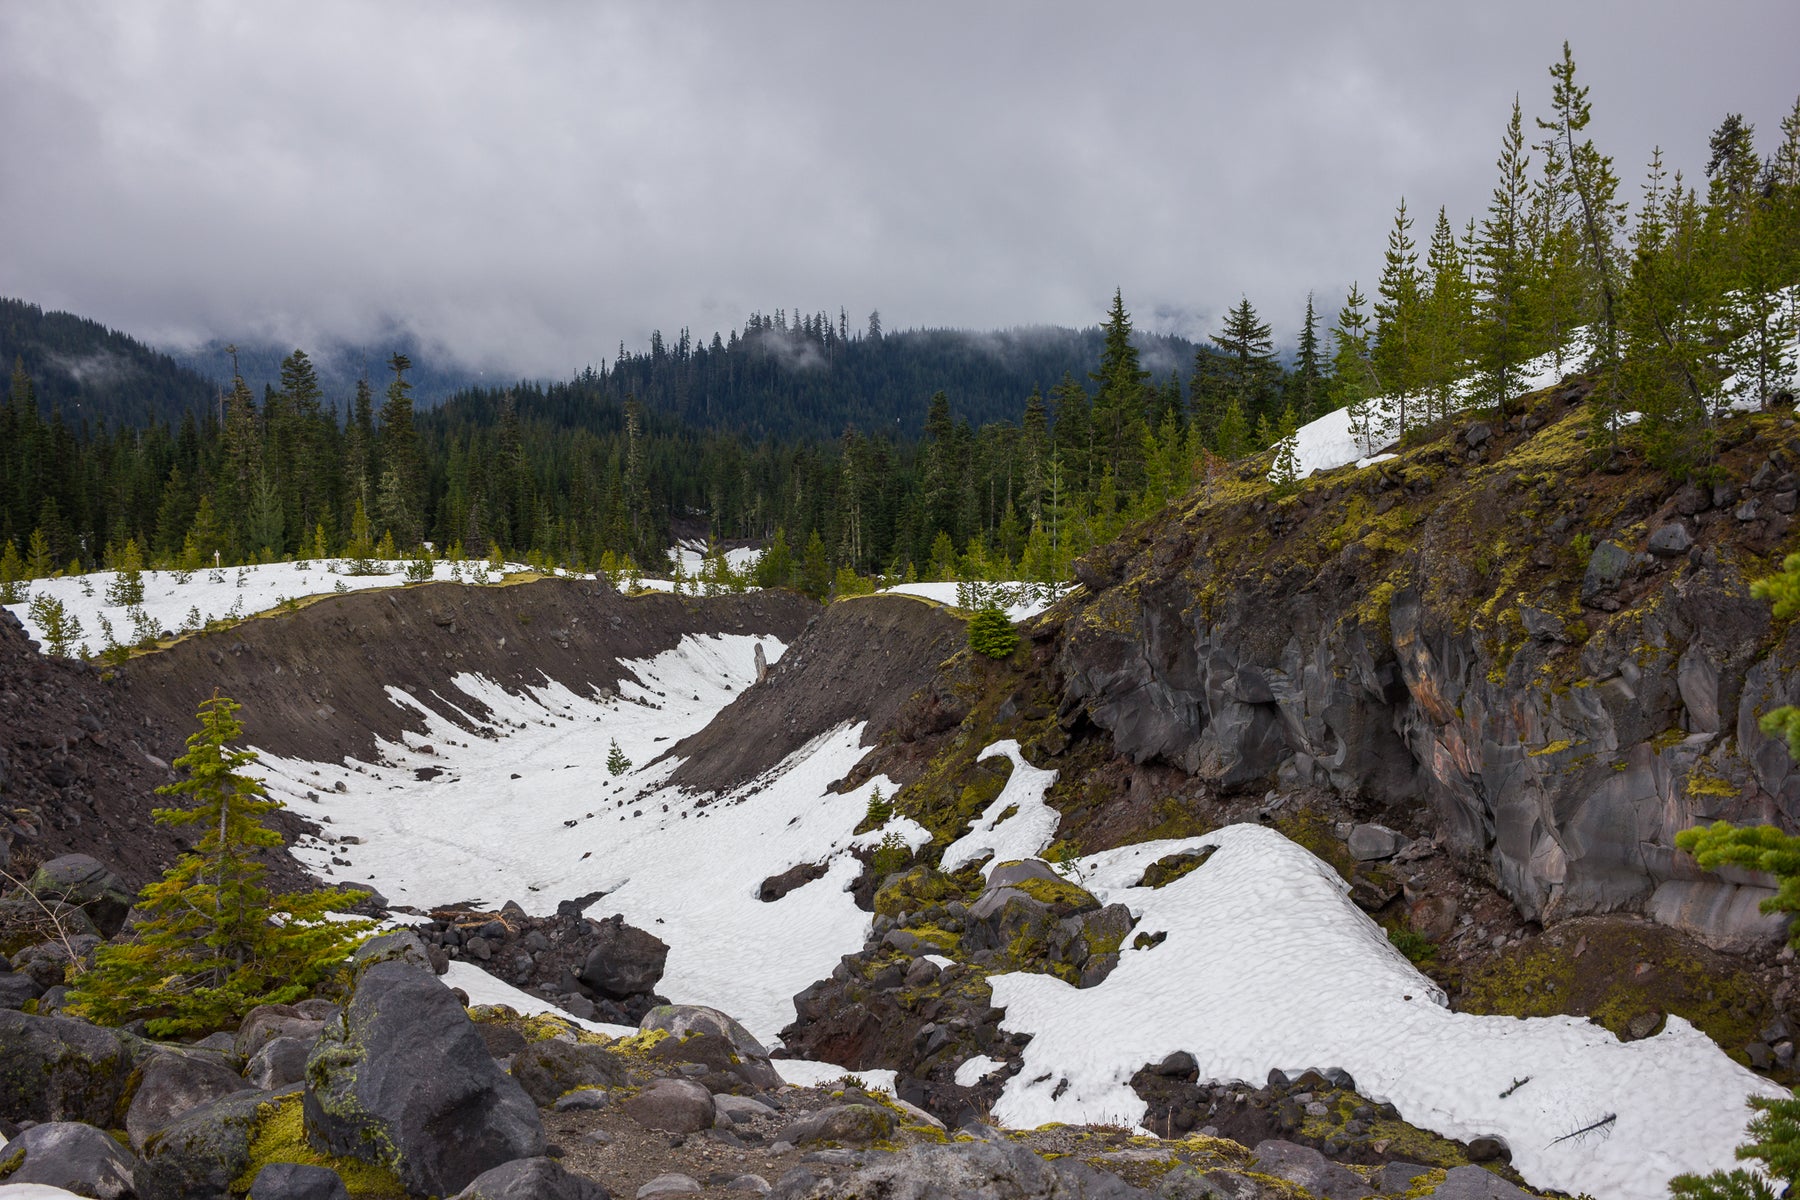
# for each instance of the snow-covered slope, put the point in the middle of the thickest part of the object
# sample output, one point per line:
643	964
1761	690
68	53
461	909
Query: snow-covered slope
532	815
178	603
1268	964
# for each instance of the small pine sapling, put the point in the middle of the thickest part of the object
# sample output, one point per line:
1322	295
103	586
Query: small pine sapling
891	856
127	587
209	942
616	762
880	810
991	634
14	587
62	631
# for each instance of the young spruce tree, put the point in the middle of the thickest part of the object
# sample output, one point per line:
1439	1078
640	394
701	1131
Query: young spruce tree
209	942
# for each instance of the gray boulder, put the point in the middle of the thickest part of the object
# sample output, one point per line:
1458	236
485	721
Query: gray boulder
853	1124
625	961
686	1020
978	1170
297	1181
670	1183
280	1062
401	1079
266	1022
531	1179
87	884
59	1069
75	1157
1397	1176
1671	541
546	1069
1606	569
175	1083
1477	1183
198	1156
673	1106
1370	843
401	945
16	989
1310	1169
1009	873
48	962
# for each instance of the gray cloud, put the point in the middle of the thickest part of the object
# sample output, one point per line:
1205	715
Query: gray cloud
525	186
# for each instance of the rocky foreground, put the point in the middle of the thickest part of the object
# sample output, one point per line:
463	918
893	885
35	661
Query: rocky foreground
396	1088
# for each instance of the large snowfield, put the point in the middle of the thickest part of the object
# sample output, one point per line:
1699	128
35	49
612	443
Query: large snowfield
1266	964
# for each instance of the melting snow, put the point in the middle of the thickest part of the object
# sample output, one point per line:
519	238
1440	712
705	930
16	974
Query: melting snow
531	815
1268	964
1018	824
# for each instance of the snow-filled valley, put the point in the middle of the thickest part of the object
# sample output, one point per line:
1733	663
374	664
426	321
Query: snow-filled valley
1266	963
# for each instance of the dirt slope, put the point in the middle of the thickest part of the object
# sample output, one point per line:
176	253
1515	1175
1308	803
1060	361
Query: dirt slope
76	772
860	659
314	683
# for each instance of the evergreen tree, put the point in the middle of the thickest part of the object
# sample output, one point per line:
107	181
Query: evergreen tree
775	566
1306	389
1670	305
13	577
991	634
1354	385
209	942
616	762
1399	314
815	568
1119	402
1284	473
1593	188
1247	371
400	496
127	587
1447	315
1503	336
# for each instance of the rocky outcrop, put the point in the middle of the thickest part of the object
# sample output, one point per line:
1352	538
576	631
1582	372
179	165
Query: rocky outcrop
401	1079
1432	632
593	969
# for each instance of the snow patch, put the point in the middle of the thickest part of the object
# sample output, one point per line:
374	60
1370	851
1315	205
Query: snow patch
528	813
974	1070
1018	824
1268	964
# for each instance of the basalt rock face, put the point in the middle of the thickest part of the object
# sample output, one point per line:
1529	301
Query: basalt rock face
1491	630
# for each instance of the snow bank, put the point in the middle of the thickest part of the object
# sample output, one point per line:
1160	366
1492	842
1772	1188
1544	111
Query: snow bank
1327	443
1018	824
1020	600
482	988
216	593
531	815
1268	964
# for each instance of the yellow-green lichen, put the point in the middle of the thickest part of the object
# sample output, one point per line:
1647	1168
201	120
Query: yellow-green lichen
279	1136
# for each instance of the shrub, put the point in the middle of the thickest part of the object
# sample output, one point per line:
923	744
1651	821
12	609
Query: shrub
616	762
62	632
891	856
991	634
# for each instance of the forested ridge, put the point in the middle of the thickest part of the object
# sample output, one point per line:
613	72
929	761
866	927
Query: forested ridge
1675	307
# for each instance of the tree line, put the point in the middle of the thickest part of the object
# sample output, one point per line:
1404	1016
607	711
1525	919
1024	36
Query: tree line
1675	313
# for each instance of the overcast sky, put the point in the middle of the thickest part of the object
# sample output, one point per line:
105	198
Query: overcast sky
527	185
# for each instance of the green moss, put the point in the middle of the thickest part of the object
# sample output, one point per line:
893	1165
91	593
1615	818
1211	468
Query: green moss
1703	781
1556	747
12	1162
1058	893
280	1137
922	887
1626	970
1170	867
1426	1184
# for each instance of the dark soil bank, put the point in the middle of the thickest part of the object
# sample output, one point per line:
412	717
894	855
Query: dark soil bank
857	660
314	683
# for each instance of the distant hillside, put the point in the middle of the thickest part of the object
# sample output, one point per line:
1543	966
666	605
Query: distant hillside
811	379
93	373
339	366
